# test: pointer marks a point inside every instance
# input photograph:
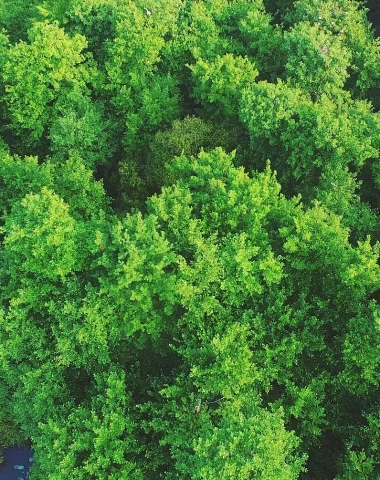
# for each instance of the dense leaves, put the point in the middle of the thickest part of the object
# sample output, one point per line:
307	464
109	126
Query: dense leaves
189	227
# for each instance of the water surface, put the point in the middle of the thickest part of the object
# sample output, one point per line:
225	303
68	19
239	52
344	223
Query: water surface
17	463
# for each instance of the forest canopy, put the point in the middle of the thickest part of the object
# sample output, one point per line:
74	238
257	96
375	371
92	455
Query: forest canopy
189	238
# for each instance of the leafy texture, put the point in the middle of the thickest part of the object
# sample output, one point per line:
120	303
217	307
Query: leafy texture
189	227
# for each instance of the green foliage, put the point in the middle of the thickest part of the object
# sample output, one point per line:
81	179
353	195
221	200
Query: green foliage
40	236
56	82
263	41
71	180
101	436
223	81
10	431
54	62
186	137
165	311
308	139
17	16
316	60
79	129
361	460
145	99
10	436
361	358
225	451
345	23
95	19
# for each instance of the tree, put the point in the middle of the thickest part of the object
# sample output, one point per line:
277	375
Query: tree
94	440
30	99
185	137
215	318
17	17
320	138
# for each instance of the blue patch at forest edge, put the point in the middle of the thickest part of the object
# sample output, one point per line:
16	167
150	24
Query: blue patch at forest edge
17	463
